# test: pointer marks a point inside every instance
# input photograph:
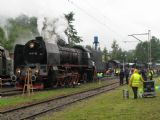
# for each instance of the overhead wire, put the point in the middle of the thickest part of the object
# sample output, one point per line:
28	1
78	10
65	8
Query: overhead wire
87	13
95	18
108	19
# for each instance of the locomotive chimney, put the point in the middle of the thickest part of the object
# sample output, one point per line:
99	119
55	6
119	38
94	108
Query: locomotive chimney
39	38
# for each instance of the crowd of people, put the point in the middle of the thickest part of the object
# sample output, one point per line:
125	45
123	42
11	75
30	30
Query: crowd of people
134	77
147	74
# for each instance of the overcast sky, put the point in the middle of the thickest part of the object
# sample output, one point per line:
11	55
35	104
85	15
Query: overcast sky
107	19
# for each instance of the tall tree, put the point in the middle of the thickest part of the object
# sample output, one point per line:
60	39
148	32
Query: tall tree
116	51
71	32
129	56
20	28
105	54
2	37
155	49
142	52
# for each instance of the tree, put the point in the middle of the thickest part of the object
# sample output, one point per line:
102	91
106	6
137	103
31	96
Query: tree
129	56
155	48
116	51
21	28
33	26
105	54
142	52
2	37
71	31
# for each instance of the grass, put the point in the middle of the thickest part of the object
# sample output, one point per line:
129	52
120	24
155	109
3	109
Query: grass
38	96
111	106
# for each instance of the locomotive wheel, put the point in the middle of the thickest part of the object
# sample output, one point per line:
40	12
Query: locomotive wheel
68	80
62	82
74	79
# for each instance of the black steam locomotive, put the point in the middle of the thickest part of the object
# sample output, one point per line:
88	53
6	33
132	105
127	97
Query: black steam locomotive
5	64
53	64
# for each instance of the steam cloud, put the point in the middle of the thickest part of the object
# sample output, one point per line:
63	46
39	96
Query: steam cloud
3	24
52	29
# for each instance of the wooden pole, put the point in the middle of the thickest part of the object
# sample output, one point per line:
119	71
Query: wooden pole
28	87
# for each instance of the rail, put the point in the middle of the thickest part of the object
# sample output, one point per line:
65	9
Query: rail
33	110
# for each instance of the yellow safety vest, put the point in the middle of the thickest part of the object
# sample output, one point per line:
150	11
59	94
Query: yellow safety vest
149	74
135	80
152	72
97	74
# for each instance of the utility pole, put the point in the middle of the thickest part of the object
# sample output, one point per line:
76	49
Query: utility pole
149	44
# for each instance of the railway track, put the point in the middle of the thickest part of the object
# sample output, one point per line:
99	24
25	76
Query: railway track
13	92
10	93
30	112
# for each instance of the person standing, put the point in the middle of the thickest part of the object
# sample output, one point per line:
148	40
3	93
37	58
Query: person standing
150	74
143	73
126	75
121	76
135	82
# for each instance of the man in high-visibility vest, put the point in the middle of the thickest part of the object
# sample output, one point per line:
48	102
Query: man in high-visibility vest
150	74
135	82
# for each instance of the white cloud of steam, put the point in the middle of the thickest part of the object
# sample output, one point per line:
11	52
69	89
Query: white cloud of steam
37	8
52	29
3	24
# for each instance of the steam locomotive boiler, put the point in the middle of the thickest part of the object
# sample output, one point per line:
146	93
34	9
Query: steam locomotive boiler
51	64
5	64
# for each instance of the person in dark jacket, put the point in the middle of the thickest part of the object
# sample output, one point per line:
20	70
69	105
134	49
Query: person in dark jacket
143	74
121	76
126	75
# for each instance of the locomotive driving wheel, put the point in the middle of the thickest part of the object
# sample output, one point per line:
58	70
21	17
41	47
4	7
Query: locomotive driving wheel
60	80
74	79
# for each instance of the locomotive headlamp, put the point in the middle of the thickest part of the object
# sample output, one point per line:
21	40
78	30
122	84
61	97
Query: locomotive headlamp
36	71
18	70
31	45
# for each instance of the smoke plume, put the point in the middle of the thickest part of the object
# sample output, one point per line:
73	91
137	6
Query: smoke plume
3	24
53	29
